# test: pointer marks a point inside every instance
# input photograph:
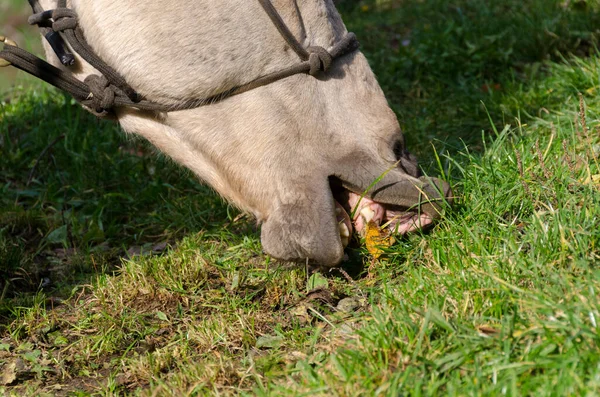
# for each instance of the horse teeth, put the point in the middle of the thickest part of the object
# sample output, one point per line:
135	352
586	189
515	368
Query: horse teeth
368	214
345	241
344	232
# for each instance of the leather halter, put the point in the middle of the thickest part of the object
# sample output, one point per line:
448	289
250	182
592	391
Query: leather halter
101	93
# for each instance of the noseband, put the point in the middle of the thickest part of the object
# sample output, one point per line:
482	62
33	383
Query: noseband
103	92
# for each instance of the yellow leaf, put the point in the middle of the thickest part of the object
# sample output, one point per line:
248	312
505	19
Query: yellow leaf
376	240
592	180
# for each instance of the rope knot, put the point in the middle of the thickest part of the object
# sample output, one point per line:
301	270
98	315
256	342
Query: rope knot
64	19
319	59
102	94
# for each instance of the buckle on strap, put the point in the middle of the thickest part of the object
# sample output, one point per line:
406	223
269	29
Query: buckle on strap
3	62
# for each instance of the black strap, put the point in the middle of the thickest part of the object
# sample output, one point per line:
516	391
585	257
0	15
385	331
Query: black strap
53	38
102	93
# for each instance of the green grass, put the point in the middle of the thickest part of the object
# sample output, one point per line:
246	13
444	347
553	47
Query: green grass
13	24
501	297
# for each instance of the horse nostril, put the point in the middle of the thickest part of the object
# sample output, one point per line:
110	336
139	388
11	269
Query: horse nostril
398	149
406	161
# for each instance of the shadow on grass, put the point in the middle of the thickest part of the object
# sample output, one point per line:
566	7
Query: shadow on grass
438	61
77	195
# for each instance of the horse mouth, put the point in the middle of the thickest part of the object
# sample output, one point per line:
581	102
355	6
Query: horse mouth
354	213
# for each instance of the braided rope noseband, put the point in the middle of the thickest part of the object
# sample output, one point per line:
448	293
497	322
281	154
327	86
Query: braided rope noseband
102	93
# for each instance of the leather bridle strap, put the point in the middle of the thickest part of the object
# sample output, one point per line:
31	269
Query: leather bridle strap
283	29
102	93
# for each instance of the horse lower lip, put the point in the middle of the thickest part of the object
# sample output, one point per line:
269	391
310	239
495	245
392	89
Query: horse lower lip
408	222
